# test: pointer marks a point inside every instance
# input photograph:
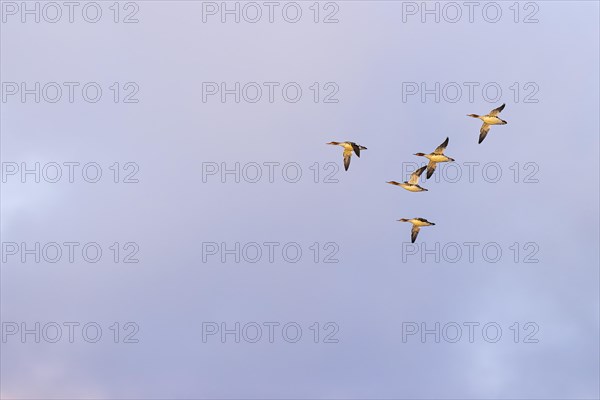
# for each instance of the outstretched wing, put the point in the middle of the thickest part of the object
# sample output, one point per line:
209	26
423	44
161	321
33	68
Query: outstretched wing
347	156
485	128
431	168
497	111
414	178
440	149
413	233
356	148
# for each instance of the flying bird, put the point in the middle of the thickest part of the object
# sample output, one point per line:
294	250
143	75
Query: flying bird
417	223
488	120
436	157
412	185
349	147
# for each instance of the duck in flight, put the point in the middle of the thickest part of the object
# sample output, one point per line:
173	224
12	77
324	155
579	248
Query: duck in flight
349	147
436	157
412	185
488	120
417	223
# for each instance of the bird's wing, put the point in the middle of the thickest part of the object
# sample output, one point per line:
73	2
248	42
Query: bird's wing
431	168
440	149
414	178
413	233
497	111
356	148
347	156
485	128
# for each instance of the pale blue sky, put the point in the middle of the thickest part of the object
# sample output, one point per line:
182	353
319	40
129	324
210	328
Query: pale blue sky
370	292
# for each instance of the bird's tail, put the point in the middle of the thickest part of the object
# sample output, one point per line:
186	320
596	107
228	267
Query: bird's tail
473	115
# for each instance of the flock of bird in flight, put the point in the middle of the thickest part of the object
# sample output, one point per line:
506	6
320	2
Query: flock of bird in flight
435	157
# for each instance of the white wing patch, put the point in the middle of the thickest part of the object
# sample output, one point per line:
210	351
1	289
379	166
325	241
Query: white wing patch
414	178
414	232
485	128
